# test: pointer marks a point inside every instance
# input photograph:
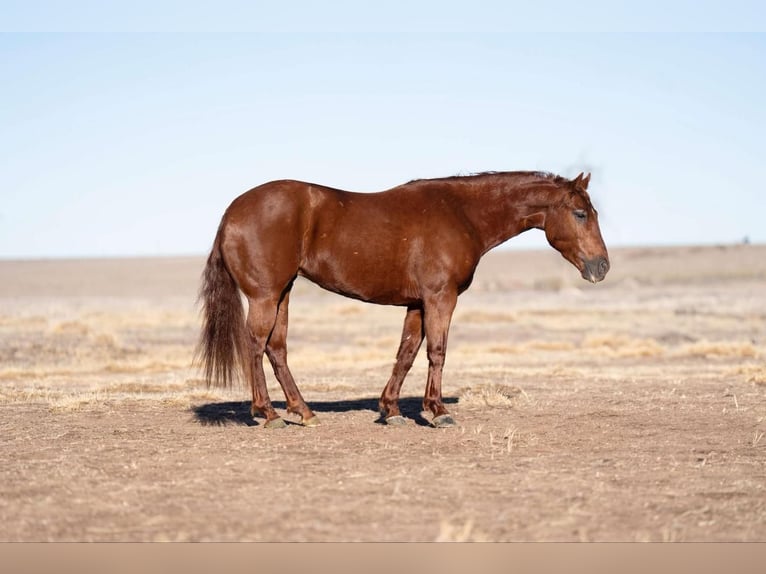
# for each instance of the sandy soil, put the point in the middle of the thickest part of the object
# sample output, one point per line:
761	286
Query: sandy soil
628	411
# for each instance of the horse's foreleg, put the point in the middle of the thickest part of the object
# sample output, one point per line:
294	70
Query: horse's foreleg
437	315
276	349
412	337
260	322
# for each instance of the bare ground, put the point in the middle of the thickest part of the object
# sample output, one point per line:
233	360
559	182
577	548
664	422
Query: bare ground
633	410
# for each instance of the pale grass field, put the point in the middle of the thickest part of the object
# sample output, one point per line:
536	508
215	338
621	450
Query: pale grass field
630	410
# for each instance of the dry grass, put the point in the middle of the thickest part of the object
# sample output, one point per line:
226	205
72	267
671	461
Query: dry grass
708	349
621	345
100	386
525	348
467	532
71	328
548	345
477	316
755	374
119	399
490	396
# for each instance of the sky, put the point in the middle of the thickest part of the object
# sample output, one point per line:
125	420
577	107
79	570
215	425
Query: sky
130	133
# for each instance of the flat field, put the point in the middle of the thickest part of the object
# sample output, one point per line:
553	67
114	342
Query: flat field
632	410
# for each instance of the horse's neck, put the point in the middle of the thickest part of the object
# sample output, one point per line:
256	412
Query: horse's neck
498	212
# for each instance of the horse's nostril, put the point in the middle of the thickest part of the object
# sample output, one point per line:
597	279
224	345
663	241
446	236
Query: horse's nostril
603	267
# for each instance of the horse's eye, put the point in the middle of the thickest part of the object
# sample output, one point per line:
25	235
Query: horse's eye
580	214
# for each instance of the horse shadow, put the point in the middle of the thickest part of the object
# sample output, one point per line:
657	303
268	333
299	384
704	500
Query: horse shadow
238	412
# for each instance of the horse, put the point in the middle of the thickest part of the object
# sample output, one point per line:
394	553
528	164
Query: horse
416	246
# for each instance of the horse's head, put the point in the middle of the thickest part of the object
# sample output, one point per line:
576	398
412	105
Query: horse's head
571	227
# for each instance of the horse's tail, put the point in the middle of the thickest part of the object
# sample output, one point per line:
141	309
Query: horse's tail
222	350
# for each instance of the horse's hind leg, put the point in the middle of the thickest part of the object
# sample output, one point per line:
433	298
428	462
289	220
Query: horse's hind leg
261	317
276	350
412	337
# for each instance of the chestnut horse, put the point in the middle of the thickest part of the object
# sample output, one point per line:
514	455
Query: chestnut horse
416	245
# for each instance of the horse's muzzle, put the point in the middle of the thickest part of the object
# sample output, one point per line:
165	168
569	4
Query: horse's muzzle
594	270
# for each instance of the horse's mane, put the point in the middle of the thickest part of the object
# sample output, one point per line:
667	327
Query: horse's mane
531	175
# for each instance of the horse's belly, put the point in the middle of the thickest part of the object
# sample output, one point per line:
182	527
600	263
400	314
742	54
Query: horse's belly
364	278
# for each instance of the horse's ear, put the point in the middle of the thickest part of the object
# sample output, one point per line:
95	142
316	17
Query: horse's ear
581	182
536	220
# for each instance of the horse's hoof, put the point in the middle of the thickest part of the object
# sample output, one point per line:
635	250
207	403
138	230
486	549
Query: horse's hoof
396	421
312	422
277	423
443	421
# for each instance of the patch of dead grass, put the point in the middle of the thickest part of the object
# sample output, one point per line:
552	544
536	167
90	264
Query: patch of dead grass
72	402
10	395
87	367
708	349
537	345
755	374
24	322
618	345
139	387
449	532
143	367
483	317
350	310
496	349
102	398
76	328
173	392
19	374
490	396
528	347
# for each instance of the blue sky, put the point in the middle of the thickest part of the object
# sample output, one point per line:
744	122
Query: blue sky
135	143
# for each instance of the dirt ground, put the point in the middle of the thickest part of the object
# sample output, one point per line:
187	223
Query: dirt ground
633	410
